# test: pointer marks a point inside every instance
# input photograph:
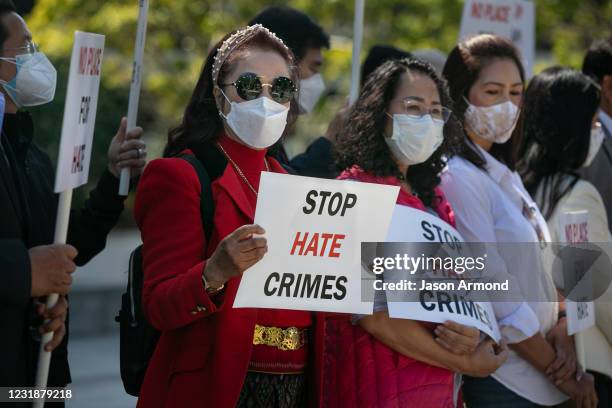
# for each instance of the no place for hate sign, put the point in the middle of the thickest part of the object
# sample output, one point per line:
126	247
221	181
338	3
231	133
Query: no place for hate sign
80	111
314	229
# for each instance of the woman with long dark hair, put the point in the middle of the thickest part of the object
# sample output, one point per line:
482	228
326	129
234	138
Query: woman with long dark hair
486	79
209	353
397	133
562	135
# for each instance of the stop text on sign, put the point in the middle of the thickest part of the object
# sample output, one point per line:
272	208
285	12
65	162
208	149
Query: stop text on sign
323	244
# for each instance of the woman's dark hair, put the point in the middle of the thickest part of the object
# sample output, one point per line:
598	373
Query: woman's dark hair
201	121
378	55
462	69
362	140
294	27
558	110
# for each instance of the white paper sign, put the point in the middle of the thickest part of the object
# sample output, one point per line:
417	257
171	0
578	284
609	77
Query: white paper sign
412	225
574	229
512	19
314	229
79	111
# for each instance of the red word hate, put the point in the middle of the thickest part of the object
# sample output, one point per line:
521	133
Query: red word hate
317	243
89	61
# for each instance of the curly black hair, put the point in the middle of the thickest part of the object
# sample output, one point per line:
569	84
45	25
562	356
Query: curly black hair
362	141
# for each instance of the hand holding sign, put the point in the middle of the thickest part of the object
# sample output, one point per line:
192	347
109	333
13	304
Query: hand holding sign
55	318
236	253
51	267
457	338
487	358
127	151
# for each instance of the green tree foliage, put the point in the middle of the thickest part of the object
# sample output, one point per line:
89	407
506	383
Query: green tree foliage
181	32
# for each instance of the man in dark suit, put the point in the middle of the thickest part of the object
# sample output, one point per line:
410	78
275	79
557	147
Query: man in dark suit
598	65
29	266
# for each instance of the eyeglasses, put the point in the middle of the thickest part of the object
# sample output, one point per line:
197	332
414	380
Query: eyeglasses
30	48
418	109
249	87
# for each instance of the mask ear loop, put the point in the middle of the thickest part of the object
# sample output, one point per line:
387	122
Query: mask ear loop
227	99
13	61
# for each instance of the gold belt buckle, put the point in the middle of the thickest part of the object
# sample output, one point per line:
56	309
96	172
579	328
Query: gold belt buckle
290	338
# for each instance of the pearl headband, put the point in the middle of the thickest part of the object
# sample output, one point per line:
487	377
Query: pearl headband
237	39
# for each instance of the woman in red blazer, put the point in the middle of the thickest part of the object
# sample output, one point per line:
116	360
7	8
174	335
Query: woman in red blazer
210	354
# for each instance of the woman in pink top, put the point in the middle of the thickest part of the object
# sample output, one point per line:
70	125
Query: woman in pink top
394	135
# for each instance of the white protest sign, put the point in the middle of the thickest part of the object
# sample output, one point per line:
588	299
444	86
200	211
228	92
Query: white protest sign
512	19
574	229
79	111
436	305
314	229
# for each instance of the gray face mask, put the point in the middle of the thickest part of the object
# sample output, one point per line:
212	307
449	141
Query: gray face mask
35	80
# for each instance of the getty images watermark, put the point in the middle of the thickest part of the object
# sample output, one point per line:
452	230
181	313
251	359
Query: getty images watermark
509	272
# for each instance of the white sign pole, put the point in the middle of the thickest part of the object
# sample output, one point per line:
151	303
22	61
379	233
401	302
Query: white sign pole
61	232
357	39
75	153
124	181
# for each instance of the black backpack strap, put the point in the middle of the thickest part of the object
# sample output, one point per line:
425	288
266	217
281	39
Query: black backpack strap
207	205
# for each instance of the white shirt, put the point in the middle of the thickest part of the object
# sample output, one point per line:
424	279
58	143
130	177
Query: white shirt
488	208
606	121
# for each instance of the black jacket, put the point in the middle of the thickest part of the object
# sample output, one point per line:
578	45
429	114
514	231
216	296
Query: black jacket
316	161
28	209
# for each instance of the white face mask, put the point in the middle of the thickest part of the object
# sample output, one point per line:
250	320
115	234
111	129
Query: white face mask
414	139
493	123
597	137
258	123
311	90
34	82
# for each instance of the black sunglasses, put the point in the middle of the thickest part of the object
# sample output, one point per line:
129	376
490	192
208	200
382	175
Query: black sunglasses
249	87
